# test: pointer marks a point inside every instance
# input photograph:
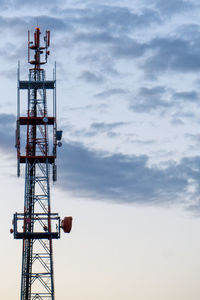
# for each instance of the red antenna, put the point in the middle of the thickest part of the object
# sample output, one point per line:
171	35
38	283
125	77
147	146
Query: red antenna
39	51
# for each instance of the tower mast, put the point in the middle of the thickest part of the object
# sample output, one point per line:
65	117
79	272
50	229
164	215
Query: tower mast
37	226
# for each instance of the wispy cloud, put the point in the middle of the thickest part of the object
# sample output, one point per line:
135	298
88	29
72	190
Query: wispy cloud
100	126
97	128
111	92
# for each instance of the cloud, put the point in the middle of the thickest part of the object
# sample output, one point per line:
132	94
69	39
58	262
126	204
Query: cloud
117	177
142	142
162	99
20	4
159	54
193	137
171	7
14	37
109	26
96	38
102	61
126	179
54	23
188	31
98	128
128	48
177	121
102	127
6	120
111	92
108	34
149	99
191	96
183	116
91	77
45	22
115	19
172	54
7	123
120	46
102	26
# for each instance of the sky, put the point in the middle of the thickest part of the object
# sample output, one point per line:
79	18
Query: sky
128	87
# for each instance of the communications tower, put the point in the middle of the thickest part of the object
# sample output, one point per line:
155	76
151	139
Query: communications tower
37	139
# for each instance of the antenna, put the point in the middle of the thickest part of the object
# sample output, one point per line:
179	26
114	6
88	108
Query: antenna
37	226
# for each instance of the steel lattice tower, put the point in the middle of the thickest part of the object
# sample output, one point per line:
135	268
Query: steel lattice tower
37	226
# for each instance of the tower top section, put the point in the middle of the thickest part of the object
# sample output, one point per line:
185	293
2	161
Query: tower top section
40	50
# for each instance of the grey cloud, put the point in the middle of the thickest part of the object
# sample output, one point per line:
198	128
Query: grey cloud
49	22
191	167
169	53
117	177
116	44
142	142
151	92
101	61
173	54
165	54
188	31
84	132
92	133
193	137
91	77
149	99
188	96
96	38
15	25
123	178
106	126
128	48
7	123
112	134
80	108
98	128
115	19
53	23
6	120
119	44
185	115
111	92
109	26
36	4
171	7
4	4
177	121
